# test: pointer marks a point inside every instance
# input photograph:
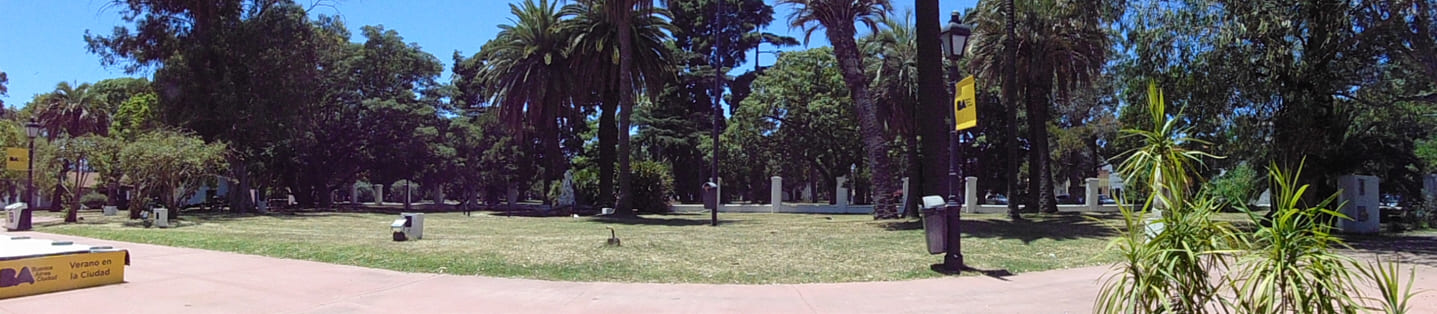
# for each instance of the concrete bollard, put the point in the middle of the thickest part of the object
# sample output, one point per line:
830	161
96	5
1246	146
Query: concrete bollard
378	194
840	194
970	195
1091	197
775	194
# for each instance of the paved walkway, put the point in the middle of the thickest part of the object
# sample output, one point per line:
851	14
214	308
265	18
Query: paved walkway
179	280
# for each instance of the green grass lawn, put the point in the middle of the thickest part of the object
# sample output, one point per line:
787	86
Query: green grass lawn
679	248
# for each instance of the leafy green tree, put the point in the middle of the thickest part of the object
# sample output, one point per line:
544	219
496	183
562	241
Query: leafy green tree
111	93
799	112
231	70
78	151
672	125
838	19
169	165
134	115
4	79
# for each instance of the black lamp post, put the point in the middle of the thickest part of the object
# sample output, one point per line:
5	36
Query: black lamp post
955	43
32	129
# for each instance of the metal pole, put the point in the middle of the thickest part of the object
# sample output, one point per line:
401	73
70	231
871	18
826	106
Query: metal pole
953	259
25	214
718	111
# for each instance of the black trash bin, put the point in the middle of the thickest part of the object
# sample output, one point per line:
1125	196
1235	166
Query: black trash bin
710	195
935	224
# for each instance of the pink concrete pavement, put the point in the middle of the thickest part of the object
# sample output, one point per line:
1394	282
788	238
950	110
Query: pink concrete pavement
180	280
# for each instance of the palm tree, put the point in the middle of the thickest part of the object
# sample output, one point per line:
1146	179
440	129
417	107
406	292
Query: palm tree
1059	47
71	111
528	75
595	31
895	87
837	18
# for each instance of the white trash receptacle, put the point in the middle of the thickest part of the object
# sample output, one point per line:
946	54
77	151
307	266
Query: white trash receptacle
162	217
415	230
12	215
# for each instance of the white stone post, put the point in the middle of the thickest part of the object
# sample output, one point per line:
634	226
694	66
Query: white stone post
775	194
378	194
1091	198
354	194
970	194
904	201
840	194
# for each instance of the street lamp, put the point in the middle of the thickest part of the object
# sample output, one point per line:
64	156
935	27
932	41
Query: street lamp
32	129
955	43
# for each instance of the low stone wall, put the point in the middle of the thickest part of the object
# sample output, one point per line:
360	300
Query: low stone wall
788	208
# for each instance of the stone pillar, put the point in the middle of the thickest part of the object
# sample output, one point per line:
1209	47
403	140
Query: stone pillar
1091	197
903	203
378	194
513	196
354	194
840	194
775	194
439	194
970	194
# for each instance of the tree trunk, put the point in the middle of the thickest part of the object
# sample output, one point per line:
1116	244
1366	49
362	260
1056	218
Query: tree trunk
624	208
240	199
931	121
57	198
326	197
74	214
875	143
1040	163
608	135
1010	105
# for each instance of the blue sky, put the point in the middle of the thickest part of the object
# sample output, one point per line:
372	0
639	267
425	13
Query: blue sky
42	44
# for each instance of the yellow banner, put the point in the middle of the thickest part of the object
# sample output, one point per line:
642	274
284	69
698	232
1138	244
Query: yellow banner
965	105
17	159
36	275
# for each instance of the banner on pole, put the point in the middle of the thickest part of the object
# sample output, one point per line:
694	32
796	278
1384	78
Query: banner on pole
965	105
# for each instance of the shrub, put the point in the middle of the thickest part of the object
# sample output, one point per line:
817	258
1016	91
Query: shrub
366	191
93	200
1238	186
653	187
586	188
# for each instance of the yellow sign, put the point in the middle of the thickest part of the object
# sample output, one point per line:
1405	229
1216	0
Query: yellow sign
965	105
17	159
36	275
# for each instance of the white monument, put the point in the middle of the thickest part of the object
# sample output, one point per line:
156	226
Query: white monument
1360	201
566	190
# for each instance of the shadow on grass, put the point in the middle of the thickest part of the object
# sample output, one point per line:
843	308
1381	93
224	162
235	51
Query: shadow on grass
1056	227
665	220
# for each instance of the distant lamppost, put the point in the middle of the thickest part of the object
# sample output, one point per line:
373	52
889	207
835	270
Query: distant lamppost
32	129
955	43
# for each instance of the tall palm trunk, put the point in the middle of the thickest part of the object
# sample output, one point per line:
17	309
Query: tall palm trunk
624	208
926	176
1010	97
874	142
1040	174
607	137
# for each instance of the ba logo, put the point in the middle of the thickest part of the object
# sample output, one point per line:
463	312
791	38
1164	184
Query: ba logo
10	278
